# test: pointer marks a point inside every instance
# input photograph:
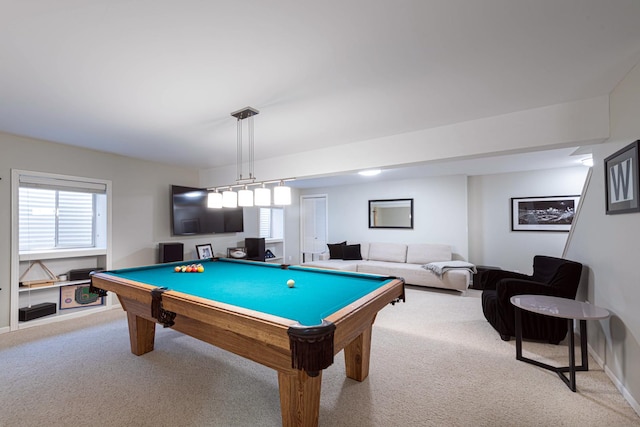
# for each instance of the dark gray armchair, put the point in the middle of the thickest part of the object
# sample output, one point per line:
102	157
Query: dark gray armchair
551	276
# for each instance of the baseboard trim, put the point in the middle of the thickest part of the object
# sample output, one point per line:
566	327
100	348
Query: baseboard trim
616	382
5	330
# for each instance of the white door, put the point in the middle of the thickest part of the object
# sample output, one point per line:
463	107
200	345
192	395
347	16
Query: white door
313	223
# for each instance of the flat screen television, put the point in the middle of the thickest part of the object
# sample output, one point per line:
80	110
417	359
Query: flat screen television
190	214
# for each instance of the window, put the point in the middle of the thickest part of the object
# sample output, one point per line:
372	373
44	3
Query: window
271	223
55	213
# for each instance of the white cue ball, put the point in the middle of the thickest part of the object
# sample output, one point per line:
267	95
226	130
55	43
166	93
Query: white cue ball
290	283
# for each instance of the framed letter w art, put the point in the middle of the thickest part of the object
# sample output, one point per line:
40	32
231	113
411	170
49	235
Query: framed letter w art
621	180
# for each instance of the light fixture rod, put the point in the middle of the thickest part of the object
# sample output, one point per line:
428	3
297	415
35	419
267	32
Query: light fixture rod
239	149
250	182
240	115
251	145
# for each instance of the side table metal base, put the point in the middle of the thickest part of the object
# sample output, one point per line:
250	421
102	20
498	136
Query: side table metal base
572	368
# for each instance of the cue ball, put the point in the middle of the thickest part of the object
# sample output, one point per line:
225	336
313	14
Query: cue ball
290	283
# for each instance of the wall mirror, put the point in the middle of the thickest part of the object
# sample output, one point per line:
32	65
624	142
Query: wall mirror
391	213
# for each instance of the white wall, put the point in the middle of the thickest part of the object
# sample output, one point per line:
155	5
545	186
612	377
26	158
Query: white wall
140	206
574	123
610	246
440	211
491	241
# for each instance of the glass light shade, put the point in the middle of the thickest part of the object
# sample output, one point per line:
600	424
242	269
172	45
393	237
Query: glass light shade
245	197
229	199
262	196
281	195
214	200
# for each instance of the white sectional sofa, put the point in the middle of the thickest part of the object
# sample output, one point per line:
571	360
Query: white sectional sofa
401	260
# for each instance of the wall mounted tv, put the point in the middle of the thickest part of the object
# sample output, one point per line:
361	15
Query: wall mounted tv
190	214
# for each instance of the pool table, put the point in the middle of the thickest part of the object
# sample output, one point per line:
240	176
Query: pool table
247	307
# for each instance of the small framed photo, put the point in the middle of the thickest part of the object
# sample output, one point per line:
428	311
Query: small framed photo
204	251
622	182
553	213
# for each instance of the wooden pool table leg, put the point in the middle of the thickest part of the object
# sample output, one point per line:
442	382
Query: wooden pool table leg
299	398
142	334
357	354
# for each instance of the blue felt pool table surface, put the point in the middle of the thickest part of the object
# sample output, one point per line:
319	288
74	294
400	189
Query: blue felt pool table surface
262	286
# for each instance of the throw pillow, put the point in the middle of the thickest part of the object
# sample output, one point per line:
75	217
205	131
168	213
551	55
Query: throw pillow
335	250
351	252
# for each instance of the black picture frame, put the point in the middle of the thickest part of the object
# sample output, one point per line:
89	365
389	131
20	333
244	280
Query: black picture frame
390	213
622	180
204	251
547	213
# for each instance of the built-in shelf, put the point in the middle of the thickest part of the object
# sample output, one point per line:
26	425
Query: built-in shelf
63	314
276	246
61	253
59	263
54	285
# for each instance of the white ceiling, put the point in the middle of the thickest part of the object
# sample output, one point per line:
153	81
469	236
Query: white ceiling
158	79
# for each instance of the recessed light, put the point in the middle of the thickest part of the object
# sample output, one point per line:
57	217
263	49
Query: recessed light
370	172
587	161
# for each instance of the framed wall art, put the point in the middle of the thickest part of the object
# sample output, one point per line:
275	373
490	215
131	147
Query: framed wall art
204	251
622	190
391	213
553	213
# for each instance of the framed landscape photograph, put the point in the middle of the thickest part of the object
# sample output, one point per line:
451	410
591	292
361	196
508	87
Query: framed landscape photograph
621	178
554	213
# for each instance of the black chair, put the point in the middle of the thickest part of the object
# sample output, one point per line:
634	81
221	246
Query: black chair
551	276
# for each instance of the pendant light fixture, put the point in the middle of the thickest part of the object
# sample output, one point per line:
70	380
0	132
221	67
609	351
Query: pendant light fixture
245	197
282	194
214	200
229	199
261	195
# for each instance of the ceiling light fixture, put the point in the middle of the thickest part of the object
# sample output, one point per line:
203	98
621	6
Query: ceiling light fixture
245	197
587	161
370	172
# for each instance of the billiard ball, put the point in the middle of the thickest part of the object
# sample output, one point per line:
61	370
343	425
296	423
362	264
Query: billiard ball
290	283
177	269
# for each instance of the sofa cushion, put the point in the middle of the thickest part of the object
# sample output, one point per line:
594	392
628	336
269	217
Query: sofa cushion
424	253
414	274
364	250
351	252
335	250
333	264
392	252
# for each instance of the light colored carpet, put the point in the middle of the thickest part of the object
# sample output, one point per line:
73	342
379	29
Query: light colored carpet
435	362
